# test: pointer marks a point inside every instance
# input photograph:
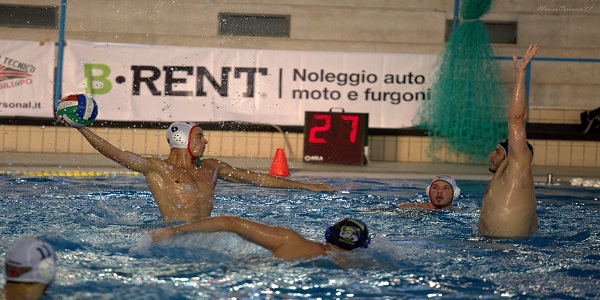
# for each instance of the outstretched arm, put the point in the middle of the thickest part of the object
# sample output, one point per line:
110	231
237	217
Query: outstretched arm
266	236
409	205
517	110
232	174
128	159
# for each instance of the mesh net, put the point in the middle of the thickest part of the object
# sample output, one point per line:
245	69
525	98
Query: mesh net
468	106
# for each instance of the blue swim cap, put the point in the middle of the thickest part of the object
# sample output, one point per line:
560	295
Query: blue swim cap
348	234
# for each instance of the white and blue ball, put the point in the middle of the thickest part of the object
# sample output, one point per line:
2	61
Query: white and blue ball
77	110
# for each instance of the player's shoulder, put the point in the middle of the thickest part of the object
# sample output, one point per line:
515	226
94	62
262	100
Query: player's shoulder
156	160
214	162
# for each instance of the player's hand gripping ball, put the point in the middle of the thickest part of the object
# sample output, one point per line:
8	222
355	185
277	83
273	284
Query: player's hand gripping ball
77	110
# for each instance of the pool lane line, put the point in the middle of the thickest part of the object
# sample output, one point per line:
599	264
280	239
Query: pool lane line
68	173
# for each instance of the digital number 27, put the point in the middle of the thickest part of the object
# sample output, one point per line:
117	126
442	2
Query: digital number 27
327	125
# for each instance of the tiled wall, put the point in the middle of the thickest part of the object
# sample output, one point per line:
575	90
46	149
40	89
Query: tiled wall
555	115
51	139
547	152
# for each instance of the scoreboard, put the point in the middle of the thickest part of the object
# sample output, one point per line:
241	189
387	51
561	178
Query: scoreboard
334	137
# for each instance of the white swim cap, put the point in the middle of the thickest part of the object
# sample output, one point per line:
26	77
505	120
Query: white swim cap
449	180
178	134
30	260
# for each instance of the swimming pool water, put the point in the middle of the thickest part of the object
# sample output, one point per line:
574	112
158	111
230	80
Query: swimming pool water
98	227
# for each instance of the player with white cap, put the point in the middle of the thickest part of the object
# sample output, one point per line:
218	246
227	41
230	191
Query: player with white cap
30	266
183	184
441	192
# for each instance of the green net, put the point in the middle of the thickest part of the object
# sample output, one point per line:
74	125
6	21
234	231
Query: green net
468	106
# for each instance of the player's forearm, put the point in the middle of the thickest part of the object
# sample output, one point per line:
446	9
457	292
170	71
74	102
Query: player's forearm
128	159
104	147
269	181
518	104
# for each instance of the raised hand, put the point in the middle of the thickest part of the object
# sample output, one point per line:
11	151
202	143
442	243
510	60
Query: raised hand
521	65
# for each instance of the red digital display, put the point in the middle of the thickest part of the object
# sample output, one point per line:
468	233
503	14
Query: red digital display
335	137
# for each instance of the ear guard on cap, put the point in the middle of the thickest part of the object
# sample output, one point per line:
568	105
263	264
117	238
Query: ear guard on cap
47	269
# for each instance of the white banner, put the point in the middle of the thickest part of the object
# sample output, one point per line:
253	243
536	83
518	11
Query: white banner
166	83
26	79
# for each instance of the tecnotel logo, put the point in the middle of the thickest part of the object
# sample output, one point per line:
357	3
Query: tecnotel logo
15	73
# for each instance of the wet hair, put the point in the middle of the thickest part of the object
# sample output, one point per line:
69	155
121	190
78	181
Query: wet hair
348	234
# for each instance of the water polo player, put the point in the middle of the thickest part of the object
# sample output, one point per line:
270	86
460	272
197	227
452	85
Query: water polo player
183	184
508	206
345	235
30	266
441	192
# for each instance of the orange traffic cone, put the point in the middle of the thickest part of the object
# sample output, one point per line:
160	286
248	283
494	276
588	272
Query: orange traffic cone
279	166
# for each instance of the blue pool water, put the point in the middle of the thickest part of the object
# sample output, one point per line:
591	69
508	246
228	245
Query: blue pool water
98	227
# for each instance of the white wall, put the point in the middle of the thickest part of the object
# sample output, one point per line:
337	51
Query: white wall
562	28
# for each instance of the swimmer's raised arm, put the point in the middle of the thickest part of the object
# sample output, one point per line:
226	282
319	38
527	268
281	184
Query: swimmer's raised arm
231	174
517	111
128	159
